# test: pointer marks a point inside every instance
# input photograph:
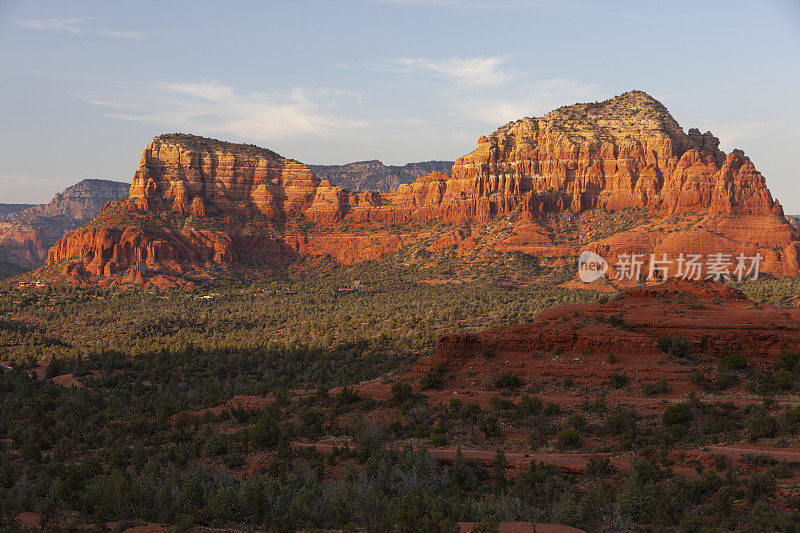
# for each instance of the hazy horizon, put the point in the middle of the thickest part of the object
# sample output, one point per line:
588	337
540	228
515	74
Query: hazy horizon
89	84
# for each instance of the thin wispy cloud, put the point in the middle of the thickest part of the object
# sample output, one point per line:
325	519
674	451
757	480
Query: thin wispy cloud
76	26
218	109
471	71
117	34
204	90
69	25
527	99
731	134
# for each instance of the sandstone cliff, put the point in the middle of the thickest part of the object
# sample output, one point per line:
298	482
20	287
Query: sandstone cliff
197	201
27	231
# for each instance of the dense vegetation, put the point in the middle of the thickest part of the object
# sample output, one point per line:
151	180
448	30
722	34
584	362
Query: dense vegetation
783	291
194	402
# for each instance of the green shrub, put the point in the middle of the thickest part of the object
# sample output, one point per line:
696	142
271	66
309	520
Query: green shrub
438	439
618	380
569	438
680	413
488	424
501	404
600	467
620	420
698	378
724	381
762	426
529	406
655	389
469	411
433	378
732	361
784	380
346	396
421	431
792	416
577	420
789	361
679	347
552	409
761	485
401	393
507	380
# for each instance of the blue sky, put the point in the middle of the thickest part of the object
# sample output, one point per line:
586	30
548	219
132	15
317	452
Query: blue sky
87	84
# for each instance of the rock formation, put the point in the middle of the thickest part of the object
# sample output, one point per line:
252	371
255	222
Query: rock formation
197	201
375	176
28	231
711	317
632	333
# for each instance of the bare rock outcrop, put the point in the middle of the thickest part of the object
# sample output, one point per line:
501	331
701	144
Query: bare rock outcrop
27	232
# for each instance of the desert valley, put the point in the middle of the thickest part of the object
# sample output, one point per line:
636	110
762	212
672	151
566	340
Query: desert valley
399	266
237	342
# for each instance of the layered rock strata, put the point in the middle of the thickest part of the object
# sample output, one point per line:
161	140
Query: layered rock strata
626	153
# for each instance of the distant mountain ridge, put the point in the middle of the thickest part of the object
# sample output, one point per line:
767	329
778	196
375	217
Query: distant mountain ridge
7	209
27	231
375	176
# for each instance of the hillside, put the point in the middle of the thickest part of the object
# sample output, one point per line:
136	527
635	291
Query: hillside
28	231
6	209
223	401
615	177
8	270
375	176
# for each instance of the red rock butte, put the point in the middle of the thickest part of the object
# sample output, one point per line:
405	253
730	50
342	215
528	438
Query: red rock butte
198	202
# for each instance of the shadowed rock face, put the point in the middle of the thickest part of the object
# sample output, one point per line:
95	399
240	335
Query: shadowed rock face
627	152
27	231
7	270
